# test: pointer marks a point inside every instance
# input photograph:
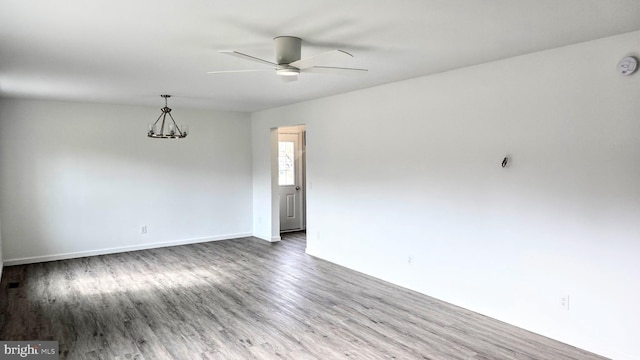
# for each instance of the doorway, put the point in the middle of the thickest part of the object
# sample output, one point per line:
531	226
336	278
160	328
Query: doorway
292	178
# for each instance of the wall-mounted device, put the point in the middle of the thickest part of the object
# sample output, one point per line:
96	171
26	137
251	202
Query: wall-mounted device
505	161
627	65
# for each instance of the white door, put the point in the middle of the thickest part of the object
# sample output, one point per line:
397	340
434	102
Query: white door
290	181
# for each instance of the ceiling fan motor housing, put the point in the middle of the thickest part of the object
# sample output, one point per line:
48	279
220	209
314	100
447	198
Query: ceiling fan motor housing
287	49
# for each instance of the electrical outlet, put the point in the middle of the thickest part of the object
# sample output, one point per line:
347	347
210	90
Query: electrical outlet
565	302
143	229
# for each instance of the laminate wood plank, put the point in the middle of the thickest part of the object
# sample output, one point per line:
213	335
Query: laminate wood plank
245	299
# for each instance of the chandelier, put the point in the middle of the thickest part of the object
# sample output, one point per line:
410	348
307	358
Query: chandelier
167	129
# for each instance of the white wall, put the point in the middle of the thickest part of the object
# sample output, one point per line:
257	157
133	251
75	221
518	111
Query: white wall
80	179
264	220
412	169
1	258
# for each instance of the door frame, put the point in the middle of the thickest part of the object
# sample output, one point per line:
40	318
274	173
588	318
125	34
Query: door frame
296	136
275	188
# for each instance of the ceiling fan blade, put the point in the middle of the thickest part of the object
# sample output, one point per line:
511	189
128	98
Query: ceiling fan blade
236	71
329	56
335	70
247	57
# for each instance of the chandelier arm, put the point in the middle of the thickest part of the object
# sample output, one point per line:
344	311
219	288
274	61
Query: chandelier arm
164	116
158	119
176	125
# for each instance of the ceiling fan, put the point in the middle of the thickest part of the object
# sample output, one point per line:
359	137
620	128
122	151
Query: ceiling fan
288	63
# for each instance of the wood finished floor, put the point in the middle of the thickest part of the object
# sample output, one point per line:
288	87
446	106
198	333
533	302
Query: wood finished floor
245	299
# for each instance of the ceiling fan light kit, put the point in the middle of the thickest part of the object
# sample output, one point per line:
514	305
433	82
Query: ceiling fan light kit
289	64
288	72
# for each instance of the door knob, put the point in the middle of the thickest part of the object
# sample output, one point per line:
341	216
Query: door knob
297	187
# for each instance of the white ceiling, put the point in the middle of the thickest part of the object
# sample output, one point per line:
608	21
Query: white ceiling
131	51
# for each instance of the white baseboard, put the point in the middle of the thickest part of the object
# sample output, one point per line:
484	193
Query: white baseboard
37	259
269	239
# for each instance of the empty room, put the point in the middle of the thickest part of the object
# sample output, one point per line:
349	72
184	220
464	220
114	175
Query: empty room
417	179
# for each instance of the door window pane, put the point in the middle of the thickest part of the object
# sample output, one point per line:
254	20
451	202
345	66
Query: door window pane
286	168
